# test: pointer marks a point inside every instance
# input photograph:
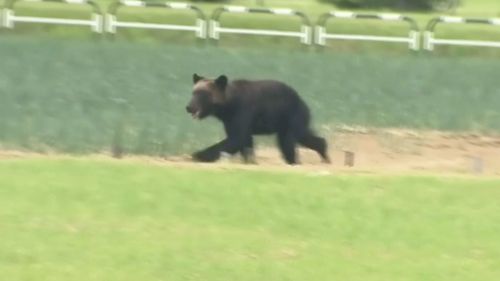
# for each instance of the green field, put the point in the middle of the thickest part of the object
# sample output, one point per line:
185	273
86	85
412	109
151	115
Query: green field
106	220
78	96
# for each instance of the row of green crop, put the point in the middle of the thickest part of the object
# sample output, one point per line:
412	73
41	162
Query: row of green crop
77	96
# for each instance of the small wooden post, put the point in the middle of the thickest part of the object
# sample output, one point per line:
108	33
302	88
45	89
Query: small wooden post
349	158
477	165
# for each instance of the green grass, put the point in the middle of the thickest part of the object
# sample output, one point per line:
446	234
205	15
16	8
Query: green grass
99	220
81	97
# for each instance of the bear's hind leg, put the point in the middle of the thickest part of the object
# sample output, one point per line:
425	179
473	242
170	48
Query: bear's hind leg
317	144
286	143
248	152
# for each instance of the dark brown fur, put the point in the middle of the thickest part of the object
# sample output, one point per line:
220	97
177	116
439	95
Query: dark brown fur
248	108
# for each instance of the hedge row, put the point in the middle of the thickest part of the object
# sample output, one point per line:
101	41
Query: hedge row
399	4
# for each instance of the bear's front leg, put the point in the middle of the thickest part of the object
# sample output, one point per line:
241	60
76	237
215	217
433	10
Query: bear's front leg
209	154
239	137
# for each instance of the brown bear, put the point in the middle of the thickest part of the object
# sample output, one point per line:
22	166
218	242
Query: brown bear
248	108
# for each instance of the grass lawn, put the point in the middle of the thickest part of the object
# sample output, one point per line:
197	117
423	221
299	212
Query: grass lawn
88	219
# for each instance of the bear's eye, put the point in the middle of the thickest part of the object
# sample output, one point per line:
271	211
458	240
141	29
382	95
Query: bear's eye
201	93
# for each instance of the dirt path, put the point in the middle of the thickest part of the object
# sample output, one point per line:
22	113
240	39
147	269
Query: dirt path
399	151
380	151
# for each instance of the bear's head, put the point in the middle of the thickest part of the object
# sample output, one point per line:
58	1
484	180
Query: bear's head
207	95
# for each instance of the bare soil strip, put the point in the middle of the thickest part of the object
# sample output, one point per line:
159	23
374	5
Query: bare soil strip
375	151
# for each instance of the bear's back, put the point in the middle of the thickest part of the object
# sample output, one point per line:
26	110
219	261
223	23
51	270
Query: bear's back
271	103
263	91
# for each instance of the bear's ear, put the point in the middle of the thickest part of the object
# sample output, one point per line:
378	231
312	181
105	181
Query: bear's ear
196	78
221	82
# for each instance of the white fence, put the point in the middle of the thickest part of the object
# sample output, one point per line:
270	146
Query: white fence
430	41
412	40
210	28
304	34
112	23
9	18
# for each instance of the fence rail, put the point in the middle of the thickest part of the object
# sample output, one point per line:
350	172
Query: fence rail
112	23
9	18
430	41
304	34
321	35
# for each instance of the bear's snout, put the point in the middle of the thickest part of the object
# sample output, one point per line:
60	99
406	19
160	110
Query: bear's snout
194	111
